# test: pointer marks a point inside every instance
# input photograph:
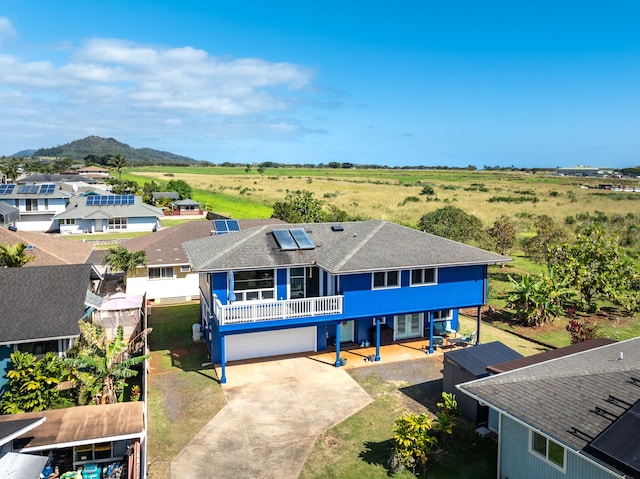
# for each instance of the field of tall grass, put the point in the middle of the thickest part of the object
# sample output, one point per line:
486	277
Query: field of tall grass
396	195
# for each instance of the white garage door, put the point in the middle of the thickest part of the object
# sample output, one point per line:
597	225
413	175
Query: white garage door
270	343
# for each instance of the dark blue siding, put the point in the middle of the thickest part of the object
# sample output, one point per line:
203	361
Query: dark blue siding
5	365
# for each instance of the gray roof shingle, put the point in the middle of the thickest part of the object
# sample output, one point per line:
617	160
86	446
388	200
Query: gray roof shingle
360	246
561	394
42	302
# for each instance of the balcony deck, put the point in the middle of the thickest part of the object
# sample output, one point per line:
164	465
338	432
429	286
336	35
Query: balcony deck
256	311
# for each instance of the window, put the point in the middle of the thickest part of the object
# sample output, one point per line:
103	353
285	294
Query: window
442	315
254	285
117	224
161	273
68	221
548	449
386	279
185	268
408	325
31	205
423	276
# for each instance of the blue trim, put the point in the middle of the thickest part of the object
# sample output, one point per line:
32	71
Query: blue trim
377	339
338	364
223	373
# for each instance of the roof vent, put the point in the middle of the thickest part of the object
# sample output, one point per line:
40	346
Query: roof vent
337	228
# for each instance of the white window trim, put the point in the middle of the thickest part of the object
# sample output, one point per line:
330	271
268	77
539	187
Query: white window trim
386	280
546	459
448	317
159	268
185	268
383	320
433	283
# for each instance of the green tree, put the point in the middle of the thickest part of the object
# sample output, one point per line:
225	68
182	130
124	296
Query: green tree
537	299
181	187
123	187
148	189
548	234
452	223
14	255
299	207
10	168
596	266
120	259
32	384
102	366
412	440
503	234
118	162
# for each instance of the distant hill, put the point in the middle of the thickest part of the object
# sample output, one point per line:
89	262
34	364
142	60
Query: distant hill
94	145
23	154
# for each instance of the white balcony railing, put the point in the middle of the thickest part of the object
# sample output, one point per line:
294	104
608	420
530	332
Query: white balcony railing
255	311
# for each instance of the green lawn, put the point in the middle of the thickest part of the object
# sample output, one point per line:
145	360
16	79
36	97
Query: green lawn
182	396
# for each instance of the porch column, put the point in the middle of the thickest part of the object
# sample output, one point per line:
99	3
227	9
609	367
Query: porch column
338	345
429	315
377	339
478	321
223	360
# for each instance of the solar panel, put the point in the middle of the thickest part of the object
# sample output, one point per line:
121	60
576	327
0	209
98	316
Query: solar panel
302	238
109	200
285	240
28	189
233	225
6	189
47	189
220	226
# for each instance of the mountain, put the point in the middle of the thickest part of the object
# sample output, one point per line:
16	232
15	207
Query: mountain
94	145
23	154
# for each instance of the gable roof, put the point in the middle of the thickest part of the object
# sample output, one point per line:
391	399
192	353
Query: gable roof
564	397
49	250
358	246
164	247
78	209
42	302
547	355
476	359
9	213
172	195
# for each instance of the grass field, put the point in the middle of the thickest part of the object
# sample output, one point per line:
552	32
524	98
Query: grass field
391	194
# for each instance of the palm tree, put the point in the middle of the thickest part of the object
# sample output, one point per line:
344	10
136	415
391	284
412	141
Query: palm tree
119	258
118	162
102	365
14	255
11	169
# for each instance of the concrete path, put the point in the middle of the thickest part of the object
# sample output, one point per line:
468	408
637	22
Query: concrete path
274	414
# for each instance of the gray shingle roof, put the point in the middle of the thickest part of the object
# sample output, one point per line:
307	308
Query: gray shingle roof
42	302
78	209
164	247
563	393
476	359
360	246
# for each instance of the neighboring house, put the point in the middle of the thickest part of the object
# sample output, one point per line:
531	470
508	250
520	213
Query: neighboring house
40	310
581	170
37	203
284	289
466	364
48	178
13	464
108	213
90	437
185	207
9	215
95	172
169	195
574	416
47	249
168	276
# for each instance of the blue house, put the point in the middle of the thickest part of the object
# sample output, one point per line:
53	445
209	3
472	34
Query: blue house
575	416
279	289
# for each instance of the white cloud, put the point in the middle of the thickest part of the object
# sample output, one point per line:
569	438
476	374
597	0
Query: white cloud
123	86
6	30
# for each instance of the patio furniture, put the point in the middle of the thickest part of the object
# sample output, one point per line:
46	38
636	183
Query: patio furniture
456	342
470	339
443	328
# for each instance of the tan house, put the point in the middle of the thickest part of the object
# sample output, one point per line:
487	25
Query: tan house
96	172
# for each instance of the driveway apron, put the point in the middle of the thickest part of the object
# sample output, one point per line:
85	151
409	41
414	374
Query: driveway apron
274	414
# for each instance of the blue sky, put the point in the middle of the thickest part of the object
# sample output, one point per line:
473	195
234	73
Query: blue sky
455	83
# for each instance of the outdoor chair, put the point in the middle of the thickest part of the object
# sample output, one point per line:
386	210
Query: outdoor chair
470	339
443	328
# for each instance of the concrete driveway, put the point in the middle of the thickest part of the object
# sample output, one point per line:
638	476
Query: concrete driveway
275	412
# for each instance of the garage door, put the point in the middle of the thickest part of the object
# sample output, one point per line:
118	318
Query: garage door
270	343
